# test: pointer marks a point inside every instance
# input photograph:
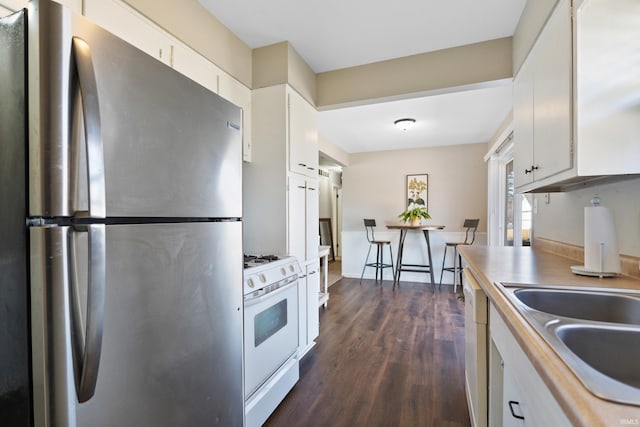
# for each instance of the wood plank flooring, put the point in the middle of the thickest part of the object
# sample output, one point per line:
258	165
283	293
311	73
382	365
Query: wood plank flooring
383	358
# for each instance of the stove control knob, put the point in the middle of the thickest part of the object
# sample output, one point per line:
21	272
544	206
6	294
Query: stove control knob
283	271
250	283
263	278
291	268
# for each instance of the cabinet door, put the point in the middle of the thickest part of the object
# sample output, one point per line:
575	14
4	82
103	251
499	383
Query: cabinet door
313	289
129	25
514	411
523	124
552	95
524	394
7	7
303	136
4	12
297	218
234	91
195	66
312	207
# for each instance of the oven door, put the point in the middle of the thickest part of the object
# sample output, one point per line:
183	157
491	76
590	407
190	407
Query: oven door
271	334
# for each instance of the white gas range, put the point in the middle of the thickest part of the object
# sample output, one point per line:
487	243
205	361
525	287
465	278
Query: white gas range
270	333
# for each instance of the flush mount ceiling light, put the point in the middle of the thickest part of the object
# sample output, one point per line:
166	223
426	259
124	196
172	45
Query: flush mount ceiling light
404	124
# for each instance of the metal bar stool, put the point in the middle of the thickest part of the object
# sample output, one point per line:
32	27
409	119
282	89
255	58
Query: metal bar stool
470	236
379	265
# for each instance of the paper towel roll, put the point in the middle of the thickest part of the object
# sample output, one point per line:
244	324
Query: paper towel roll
600	241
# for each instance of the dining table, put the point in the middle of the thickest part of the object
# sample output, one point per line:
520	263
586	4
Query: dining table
420	268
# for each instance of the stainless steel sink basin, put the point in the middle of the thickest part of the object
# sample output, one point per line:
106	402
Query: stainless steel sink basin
612	351
596	306
596	332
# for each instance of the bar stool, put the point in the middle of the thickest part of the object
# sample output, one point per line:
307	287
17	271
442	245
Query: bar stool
470	236
379	264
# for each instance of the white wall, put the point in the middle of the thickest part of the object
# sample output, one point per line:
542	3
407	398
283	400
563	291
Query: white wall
563	218
325	197
373	186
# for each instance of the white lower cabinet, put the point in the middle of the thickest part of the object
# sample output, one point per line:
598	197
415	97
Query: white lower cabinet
523	398
309	321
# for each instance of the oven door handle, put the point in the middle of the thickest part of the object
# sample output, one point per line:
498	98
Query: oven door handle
256	300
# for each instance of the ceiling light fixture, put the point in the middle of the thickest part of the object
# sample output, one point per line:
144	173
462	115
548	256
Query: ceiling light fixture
404	124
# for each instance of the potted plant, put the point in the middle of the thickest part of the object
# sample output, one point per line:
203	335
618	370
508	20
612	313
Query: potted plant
414	214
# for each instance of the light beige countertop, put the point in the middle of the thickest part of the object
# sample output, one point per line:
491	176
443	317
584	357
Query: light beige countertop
492	265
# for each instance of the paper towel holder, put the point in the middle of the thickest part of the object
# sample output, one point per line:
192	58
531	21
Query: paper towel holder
598	259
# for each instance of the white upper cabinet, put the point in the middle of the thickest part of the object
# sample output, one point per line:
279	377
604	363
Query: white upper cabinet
128	24
234	91
195	66
281	205
303	135
542	103
4	11
608	87
576	115
7	7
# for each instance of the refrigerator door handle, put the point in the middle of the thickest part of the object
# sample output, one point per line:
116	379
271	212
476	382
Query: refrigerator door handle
87	340
92	129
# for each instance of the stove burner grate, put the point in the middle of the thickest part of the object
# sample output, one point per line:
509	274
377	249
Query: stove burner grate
253	260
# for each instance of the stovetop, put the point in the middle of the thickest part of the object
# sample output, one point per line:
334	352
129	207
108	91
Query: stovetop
256	260
262	271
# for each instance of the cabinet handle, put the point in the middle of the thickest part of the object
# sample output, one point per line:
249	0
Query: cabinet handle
534	168
310	188
511	403
310	168
301	186
526	171
302	164
312	272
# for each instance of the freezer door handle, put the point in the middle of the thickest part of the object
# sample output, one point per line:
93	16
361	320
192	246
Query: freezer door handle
92	129
87	340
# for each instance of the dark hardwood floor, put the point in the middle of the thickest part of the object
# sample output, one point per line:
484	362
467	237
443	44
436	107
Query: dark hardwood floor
383	358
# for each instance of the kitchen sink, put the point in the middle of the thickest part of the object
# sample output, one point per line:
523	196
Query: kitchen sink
596	332
612	351
585	305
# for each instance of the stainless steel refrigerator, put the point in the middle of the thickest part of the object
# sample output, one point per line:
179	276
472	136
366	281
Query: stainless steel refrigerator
121	234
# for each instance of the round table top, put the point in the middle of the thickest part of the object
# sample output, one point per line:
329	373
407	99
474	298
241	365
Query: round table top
408	226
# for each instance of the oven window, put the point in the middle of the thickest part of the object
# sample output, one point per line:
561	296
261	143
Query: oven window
270	321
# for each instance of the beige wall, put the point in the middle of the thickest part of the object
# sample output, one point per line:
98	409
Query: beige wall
333	151
532	20
279	64
373	186
563	218
190	22
448	68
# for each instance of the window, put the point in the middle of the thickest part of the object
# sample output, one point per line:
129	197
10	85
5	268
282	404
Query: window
510	213
509	217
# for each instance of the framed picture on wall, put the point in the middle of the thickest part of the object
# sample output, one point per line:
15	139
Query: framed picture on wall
418	191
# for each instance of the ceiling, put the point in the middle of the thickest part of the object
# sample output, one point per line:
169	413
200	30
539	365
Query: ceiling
335	34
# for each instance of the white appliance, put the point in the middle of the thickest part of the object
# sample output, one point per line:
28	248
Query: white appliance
475	349
121	248
270	334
